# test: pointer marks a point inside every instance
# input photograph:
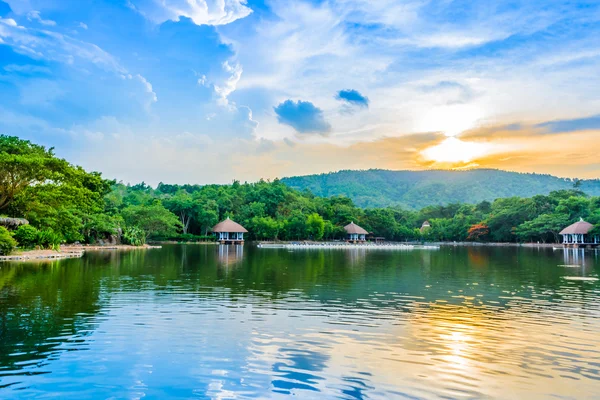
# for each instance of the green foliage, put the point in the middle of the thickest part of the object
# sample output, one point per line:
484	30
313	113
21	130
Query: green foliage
7	243
544	228
134	236
101	227
23	165
27	236
48	239
153	220
265	228
69	204
315	226
418	189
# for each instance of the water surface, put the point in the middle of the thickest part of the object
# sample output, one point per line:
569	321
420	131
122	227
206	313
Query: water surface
231	322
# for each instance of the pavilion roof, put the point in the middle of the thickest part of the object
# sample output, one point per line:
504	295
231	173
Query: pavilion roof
578	228
229	226
352	228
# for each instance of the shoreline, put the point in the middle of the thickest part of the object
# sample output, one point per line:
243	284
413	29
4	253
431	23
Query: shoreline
413	243
68	251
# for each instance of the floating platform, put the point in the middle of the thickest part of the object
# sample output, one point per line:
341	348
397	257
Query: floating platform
345	246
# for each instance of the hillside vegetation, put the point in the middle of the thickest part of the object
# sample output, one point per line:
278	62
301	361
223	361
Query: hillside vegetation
63	203
418	189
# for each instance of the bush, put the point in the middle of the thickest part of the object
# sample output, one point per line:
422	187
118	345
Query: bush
48	239
26	236
7	243
134	236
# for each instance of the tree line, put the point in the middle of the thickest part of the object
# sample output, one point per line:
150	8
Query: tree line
65	204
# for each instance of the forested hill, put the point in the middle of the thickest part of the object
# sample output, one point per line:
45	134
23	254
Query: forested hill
417	189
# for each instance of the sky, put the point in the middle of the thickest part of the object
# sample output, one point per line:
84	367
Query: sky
208	91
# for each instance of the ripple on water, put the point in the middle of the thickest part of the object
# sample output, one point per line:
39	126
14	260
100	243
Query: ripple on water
424	325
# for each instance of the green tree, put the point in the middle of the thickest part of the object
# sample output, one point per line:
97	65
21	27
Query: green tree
545	228
295	226
315	226
208	215
7	243
265	228
182	204
154	220
23	164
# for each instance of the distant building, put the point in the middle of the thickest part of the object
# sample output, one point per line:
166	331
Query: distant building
355	233
426	225
229	232
577	235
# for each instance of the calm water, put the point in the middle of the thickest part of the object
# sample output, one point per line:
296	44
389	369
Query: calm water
233	322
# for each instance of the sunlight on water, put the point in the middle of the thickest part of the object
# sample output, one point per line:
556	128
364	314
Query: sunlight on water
208	322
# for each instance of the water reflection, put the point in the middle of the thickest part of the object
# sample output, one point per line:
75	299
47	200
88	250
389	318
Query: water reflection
230	254
229	321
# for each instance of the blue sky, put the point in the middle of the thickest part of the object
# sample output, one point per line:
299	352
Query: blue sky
213	90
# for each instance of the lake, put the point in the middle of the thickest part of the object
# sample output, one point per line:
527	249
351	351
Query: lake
242	322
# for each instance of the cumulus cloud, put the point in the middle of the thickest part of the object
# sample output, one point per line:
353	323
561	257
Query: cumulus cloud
303	116
202	12
229	86
353	97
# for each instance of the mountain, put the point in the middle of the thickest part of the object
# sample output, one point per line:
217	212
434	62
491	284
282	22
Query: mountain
417	189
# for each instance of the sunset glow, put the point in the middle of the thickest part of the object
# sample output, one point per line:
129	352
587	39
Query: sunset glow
453	150
273	89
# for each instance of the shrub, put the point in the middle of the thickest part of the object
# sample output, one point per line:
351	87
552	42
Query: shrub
134	236
26	236
48	239
7	243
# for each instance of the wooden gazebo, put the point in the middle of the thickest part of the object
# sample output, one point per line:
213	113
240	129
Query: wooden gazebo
355	233
229	232
577	235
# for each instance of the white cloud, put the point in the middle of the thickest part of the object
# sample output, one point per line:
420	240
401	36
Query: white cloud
202	12
83	26
8	21
229	86
46	44
148	87
35	16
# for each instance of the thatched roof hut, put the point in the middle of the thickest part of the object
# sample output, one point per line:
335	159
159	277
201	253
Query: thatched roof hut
352	228
229	226
578	234
578	228
229	232
355	233
12	223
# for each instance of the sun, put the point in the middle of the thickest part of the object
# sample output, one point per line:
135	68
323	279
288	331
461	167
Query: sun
452	120
454	150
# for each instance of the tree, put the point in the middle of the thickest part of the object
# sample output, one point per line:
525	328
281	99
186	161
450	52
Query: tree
574	207
315	226
23	164
478	233
182	205
265	228
63	205
155	220
545	228
208	215
295	226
